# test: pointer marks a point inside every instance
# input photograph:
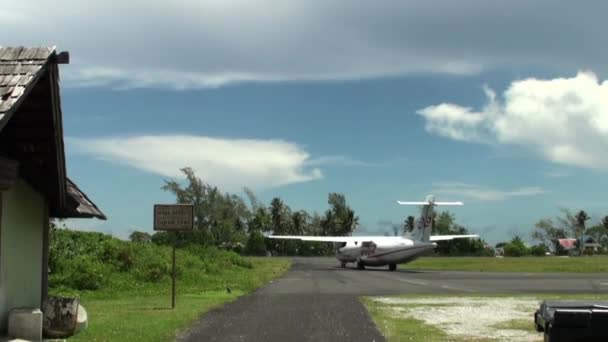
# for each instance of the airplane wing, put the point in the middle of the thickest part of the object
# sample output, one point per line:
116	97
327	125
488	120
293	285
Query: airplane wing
320	238
412	203
451	237
449	203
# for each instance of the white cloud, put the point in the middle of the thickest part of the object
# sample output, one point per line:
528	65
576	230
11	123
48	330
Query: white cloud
477	192
228	163
564	120
209	43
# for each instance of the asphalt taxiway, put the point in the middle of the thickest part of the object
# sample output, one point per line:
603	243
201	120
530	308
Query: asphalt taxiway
318	301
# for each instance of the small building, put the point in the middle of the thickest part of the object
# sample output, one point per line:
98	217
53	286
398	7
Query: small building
567	244
571	245
590	245
33	182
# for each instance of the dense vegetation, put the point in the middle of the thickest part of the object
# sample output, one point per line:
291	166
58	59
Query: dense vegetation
95	261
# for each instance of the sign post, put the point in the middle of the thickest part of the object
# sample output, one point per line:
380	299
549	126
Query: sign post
173	218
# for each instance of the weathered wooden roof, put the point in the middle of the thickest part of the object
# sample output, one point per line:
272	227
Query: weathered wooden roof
19	67
31	127
84	207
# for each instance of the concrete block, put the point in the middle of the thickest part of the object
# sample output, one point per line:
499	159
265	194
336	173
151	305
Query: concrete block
82	321
25	323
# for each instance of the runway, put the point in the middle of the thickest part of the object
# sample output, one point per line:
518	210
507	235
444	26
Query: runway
318	301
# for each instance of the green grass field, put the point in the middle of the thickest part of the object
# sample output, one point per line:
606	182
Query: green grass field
145	314
586	264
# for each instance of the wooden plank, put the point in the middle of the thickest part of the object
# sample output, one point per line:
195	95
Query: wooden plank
43	53
7	69
29	69
17	91
15	80
25	79
6	105
5	91
11	53
4	79
24	54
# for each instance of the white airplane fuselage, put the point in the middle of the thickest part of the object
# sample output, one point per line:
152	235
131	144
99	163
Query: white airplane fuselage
382	250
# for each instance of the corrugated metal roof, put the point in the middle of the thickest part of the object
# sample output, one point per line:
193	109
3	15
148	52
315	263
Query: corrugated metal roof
19	66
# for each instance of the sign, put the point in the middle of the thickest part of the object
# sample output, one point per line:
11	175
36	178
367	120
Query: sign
173	217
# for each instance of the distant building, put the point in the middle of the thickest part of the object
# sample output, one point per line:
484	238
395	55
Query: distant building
33	182
589	245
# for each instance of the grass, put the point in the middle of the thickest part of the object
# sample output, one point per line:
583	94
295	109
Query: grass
145	314
397	327
589	264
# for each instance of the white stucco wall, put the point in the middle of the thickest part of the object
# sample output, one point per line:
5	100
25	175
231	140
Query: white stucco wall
21	234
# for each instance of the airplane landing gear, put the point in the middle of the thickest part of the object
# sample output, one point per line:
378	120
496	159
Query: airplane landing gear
343	264
392	267
360	265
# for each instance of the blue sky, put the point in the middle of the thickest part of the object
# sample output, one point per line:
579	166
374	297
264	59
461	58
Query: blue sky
499	104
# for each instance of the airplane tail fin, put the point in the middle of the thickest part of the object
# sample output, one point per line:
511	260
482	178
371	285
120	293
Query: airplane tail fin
424	226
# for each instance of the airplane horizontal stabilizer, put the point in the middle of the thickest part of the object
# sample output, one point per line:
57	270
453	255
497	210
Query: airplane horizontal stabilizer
427	203
449	203
412	203
451	237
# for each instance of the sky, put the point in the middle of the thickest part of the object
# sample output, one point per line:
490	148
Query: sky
500	104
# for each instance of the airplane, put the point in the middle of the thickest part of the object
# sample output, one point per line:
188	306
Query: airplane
387	250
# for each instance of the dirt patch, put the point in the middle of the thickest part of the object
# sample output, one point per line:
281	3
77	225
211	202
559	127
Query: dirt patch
478	317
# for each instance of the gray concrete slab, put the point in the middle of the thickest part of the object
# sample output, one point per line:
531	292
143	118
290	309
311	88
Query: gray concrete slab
318	301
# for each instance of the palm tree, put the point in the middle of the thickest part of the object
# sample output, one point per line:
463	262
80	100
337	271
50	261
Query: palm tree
409	225
581	217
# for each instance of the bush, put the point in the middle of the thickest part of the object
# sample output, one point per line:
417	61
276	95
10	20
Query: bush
516	248
256	244
82	273
539	250
125	258
91	261
150	265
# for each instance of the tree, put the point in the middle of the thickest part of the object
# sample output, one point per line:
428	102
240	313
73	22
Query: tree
539	250
581	218
260	221
253	200
409	224
516	247
255	243
339	219
142	237
599	234
281	224
547	233
443	223
219	219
